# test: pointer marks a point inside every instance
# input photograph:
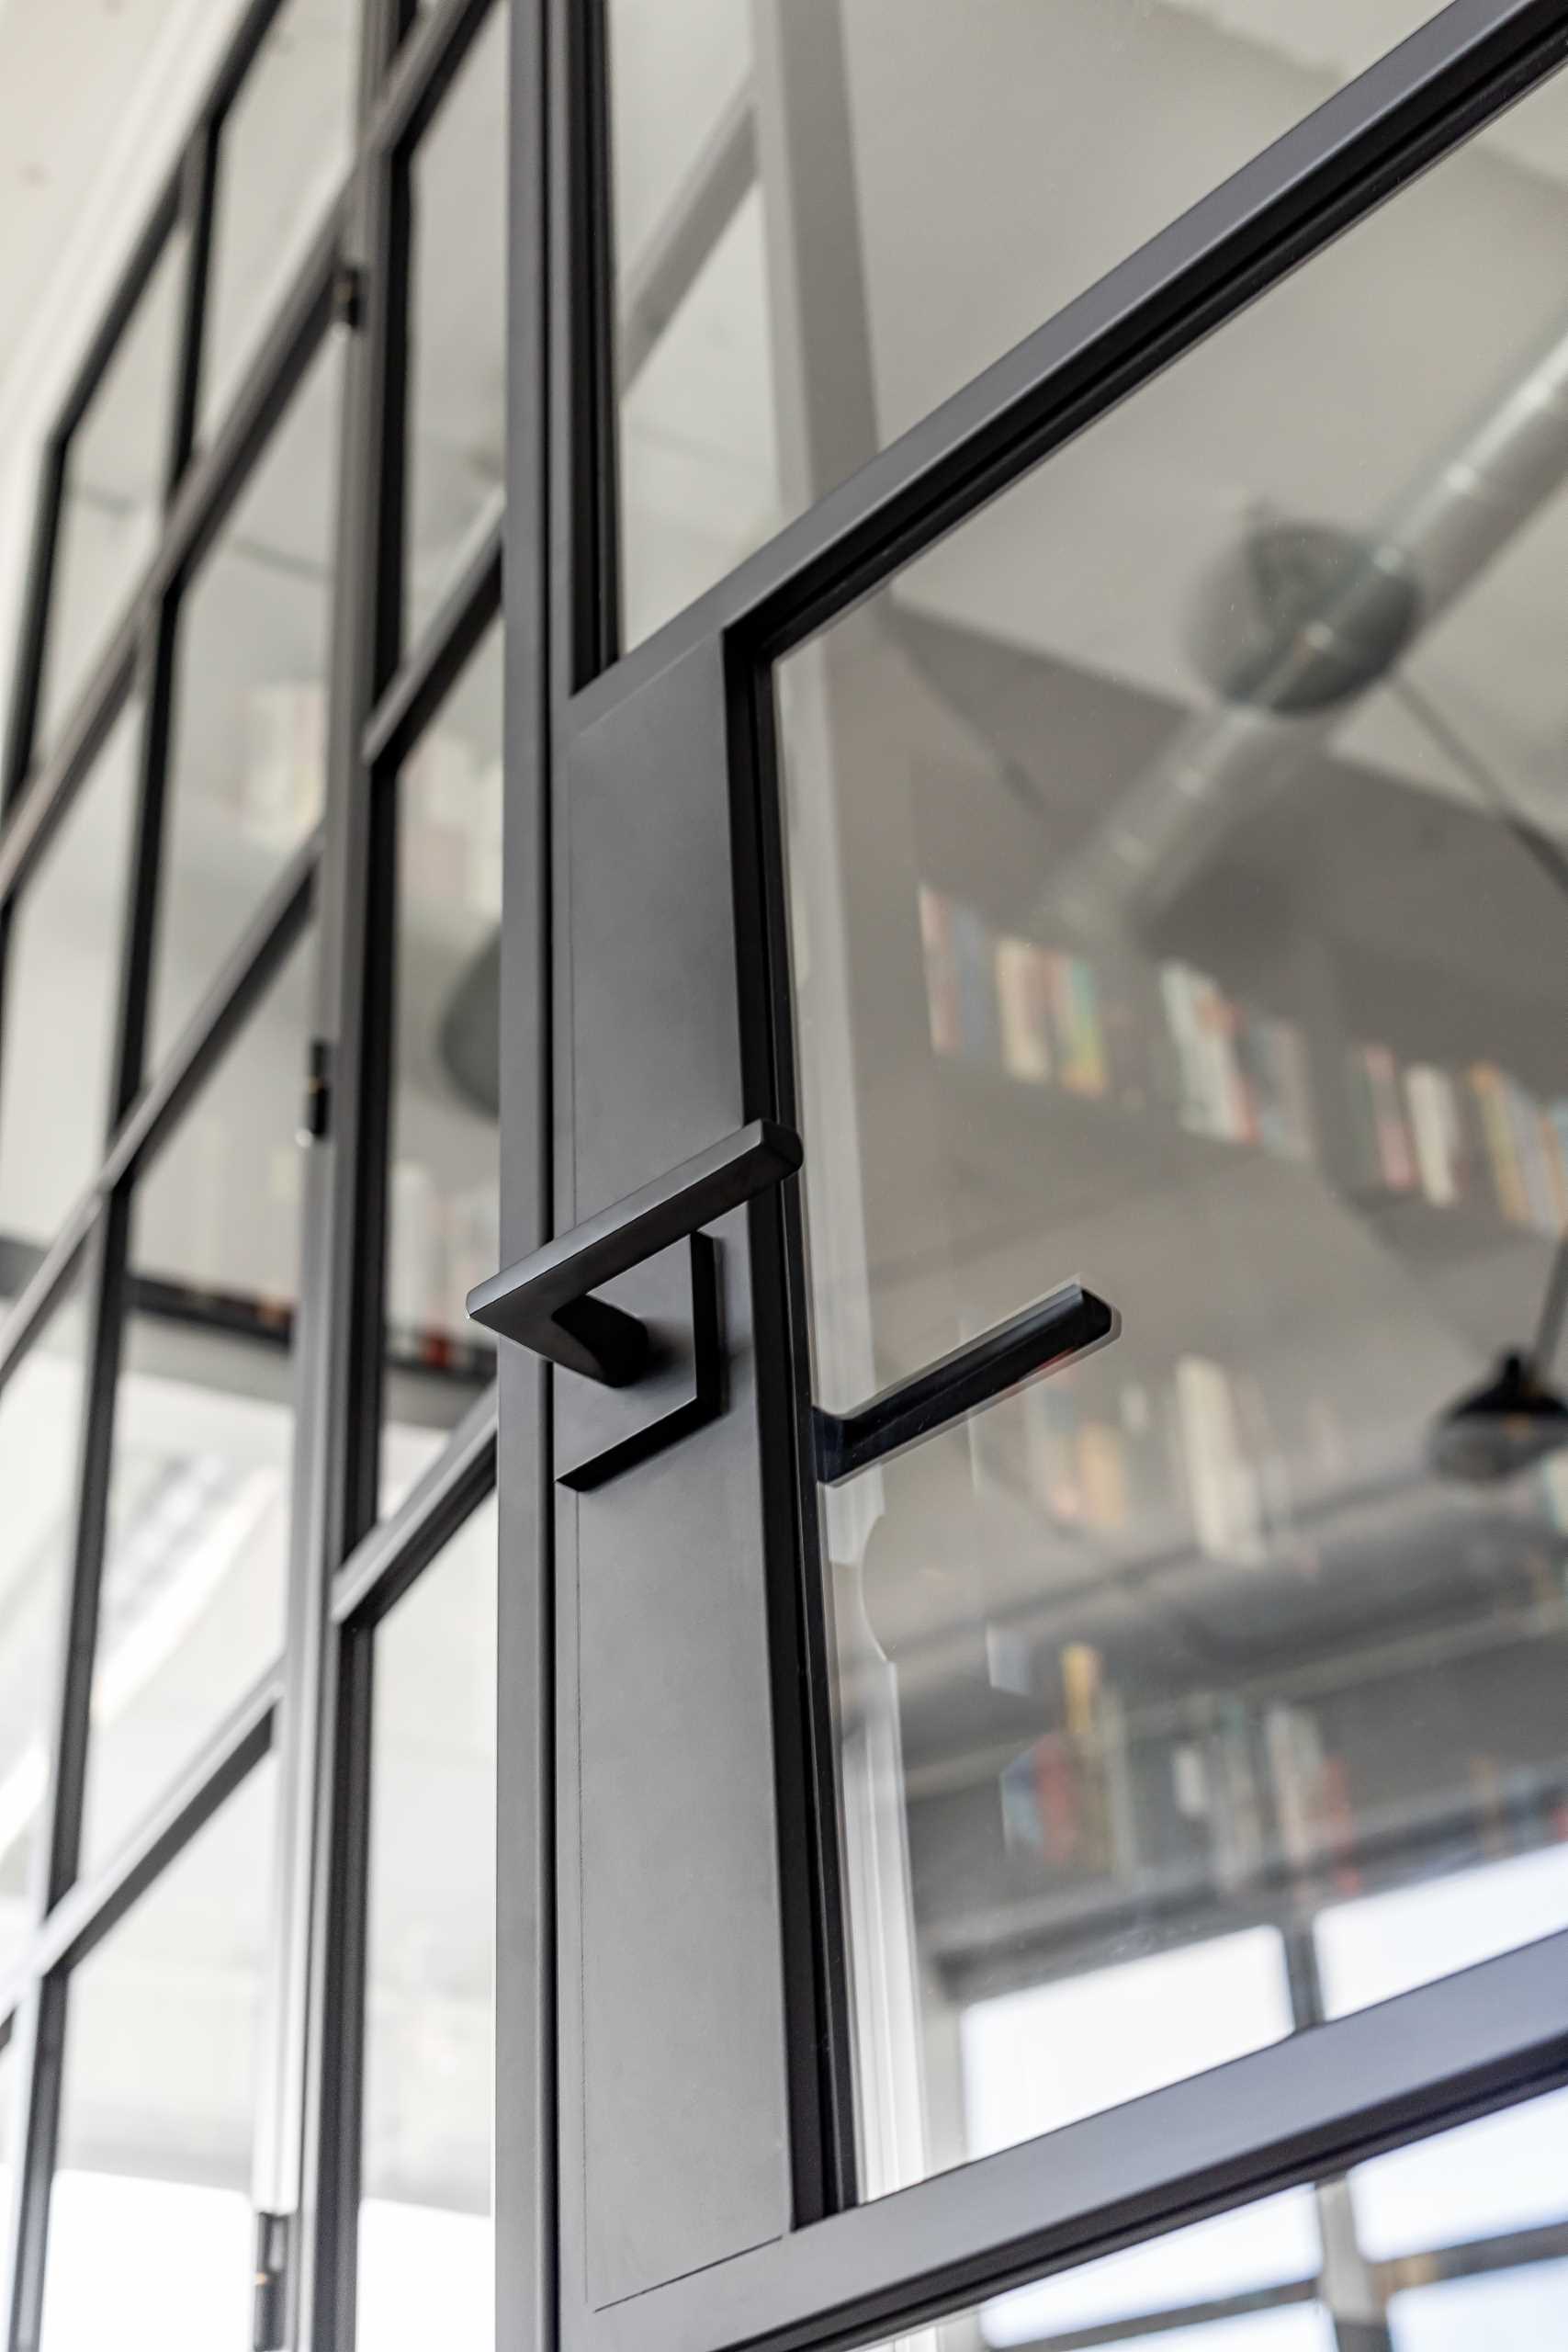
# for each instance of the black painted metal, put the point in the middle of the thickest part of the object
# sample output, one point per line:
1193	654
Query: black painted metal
862	2274
673	1298
1058	1329
92	1243
543	1301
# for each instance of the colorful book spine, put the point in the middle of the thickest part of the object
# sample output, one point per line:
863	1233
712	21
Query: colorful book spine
1508	1176
1224	1490
941	972
1023	1000
1435	1132
1397	1154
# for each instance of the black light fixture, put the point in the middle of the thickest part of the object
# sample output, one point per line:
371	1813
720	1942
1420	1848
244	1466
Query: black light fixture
1516	1420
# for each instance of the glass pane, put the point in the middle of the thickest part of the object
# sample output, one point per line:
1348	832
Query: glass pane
1177	858
193	1576
802	189
63	973
7	2117
111	501
40	1408
424	2237
443	1219
150	2232
1299	2272
456	434
248	749
283	147
1523	2308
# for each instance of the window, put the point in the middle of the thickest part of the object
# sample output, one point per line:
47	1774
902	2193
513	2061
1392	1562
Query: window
247	763
40	1408
425	2240
150	2230
1283	2271
112	494
284	146
196	1551
226	1136
1178	898
441	1218
829	217
456	326
61	987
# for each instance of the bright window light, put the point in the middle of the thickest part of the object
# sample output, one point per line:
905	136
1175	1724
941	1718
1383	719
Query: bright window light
1035	2060
1383	1944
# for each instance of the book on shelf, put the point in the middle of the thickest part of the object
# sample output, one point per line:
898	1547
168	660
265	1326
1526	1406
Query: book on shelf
1222	1483
1119	1030
1114	1031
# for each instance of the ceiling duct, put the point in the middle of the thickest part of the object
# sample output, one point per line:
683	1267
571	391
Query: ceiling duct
1317	619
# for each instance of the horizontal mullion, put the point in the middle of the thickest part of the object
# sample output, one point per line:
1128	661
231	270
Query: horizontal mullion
216	474
386	1561
143	259
41	800
1284	2116
420	72
83	1916
209	487
251	964
428	672
254	960
1388	123
46	1283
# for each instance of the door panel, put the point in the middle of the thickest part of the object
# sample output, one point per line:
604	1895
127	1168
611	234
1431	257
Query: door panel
673	2003
980	1807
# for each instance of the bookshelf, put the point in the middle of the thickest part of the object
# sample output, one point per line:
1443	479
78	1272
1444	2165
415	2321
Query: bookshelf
1191	1635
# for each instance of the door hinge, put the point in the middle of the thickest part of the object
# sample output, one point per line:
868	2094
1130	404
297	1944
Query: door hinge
269	2309
317	1112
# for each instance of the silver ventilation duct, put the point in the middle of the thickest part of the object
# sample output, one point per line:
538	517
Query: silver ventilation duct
1287	692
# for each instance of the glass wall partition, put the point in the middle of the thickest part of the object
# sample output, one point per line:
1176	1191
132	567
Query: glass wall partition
191	1062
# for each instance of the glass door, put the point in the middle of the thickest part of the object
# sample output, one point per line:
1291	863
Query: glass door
1042	1312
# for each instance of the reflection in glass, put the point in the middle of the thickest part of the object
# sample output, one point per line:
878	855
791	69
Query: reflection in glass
424	2239
192	1602
802	188
150	2232
249	748
40	1408
1523	2308
63	981
456	325
1166	915
1301	2268
443	1230
111	500
7	2118
282	149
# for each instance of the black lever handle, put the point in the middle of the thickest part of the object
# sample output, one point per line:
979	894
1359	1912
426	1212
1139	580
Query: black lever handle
543	1301
1066	1324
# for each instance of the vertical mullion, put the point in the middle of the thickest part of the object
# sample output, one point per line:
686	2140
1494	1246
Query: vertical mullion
104	1279
305	2169
27	670
538	603
342	1898
587	296
198	184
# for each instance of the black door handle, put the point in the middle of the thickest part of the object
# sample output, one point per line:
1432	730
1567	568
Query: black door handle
543	1301
1063	1325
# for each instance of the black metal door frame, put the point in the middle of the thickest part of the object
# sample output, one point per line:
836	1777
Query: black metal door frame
746	2233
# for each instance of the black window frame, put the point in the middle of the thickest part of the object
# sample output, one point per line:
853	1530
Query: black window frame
345	1570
